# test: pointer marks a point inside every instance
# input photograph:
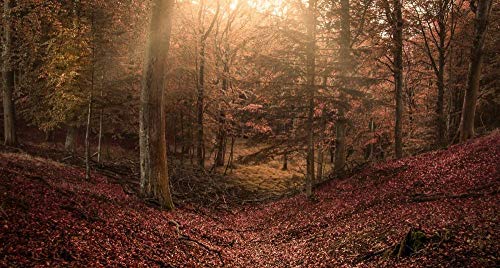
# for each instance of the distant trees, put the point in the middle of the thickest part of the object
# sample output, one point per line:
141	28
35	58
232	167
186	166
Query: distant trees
300	77
153	145
437	21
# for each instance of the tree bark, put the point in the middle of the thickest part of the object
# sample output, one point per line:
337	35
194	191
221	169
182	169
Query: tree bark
346	66
398	75
200	147
321	150
153	145
311	76
474	74
441	120
87	139
10	136
199	108
101	133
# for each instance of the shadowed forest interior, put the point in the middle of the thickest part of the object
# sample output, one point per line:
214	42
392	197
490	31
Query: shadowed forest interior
250	133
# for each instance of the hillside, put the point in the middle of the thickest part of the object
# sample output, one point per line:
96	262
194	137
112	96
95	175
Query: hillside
50	216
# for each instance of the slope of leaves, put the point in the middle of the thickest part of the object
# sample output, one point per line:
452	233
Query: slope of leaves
51	216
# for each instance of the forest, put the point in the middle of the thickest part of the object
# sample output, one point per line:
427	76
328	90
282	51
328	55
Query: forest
250	133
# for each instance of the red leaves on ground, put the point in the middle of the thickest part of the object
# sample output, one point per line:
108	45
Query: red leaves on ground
51	216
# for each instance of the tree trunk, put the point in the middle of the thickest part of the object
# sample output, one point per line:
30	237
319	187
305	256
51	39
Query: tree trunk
340	145
441	120
346	66
311	76
70	143
10	136
231	155
474	75
200	147
153	145
321	149
398	76
221	141
87	139
100	138
199	106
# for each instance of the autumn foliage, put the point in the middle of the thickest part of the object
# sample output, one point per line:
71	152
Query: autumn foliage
51	216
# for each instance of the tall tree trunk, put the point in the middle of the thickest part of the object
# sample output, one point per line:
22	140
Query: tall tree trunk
221	135
441	120
10	136
87	138
311	76
346	66
398	75
70	143
474	75
200	148
101	134
153	145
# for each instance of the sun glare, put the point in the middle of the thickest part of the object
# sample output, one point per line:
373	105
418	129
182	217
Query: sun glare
275	7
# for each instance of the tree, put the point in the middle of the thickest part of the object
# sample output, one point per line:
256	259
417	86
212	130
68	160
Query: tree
346	66
311	76
395	18
482	11
153	146
10	137
203	35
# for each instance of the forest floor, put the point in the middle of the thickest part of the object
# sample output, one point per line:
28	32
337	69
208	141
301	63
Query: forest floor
444	203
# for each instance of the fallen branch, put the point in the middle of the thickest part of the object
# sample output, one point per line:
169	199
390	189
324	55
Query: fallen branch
187	238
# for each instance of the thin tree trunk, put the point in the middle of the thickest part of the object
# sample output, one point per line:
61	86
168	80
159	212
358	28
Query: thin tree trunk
221	141
321	150
199	105
183	145
100	138
10	136
200	147
398	76
346	66
153	145
474	75
87	138
441	121
231	155
311	76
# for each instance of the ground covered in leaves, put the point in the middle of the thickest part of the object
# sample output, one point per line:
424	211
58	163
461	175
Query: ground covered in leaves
50	216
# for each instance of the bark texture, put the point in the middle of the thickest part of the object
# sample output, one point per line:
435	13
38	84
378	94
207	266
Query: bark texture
346	66
153	146
483	10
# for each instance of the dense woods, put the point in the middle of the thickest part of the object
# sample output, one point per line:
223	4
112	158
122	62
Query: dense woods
175	97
